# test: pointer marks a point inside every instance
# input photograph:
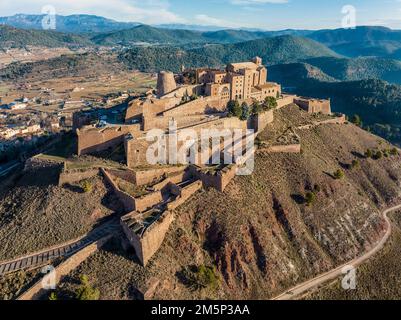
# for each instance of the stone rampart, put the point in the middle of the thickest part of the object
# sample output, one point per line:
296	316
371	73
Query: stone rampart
37	292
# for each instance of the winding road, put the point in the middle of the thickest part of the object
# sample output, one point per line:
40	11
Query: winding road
338	271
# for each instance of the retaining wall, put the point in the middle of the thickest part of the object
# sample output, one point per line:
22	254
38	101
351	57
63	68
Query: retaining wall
36	291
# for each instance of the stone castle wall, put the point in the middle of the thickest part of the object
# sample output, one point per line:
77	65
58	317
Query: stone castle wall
148	201
144	177
95	140
260	121
152	239
127	201
291	148
218	180
72	176
185	194
37	292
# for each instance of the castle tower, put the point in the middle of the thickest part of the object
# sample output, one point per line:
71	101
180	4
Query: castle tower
257	60
165	83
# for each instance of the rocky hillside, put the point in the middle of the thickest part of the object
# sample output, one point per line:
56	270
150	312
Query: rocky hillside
259	235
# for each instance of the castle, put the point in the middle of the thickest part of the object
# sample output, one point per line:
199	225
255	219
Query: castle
197	105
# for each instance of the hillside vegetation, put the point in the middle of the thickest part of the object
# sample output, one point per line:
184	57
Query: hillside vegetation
258	235
362	41
283	49
11	37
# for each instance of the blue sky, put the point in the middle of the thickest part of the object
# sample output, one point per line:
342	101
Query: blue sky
264	14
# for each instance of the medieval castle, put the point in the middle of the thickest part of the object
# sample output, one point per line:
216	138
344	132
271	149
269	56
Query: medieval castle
200	103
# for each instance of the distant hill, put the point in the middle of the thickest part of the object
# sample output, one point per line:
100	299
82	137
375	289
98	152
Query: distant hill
79	23
11	37
283	49
148	34
292	75
361	41
359	68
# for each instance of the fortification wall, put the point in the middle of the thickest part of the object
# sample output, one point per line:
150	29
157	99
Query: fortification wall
202	105
314	105
124	174
292	148
148	201
217	180
127	201
96	140
185	194
37	292
285	101
152	239
145	177
72	176
261	120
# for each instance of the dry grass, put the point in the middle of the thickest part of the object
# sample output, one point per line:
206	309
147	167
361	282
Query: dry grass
35	213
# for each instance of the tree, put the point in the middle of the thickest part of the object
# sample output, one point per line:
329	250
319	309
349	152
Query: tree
394	152
85	291
339	174
269	103
245	111
356	119
256	108
234	109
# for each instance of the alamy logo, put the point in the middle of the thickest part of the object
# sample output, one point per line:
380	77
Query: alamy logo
349	19
349	280
49	18
203	147
49	280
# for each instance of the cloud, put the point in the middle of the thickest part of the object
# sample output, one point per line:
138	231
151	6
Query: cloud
146	11
256	2
204	19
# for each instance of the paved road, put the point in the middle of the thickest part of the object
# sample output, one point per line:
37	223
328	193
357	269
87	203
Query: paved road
337	272
42	258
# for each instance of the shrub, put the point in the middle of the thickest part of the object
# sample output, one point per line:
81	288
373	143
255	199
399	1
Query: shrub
355	164
310	198
339	174
394	152
317	188
368	153
85	291
356	119
378	155
201	277
53	296
86	186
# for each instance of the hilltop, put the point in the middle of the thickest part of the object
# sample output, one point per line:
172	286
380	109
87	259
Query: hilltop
11	37
148	34
78	23
362	41
282	49
258	234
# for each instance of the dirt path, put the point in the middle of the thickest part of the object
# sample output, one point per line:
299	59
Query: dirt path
338	271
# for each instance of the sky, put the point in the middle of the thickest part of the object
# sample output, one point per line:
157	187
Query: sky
261	14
